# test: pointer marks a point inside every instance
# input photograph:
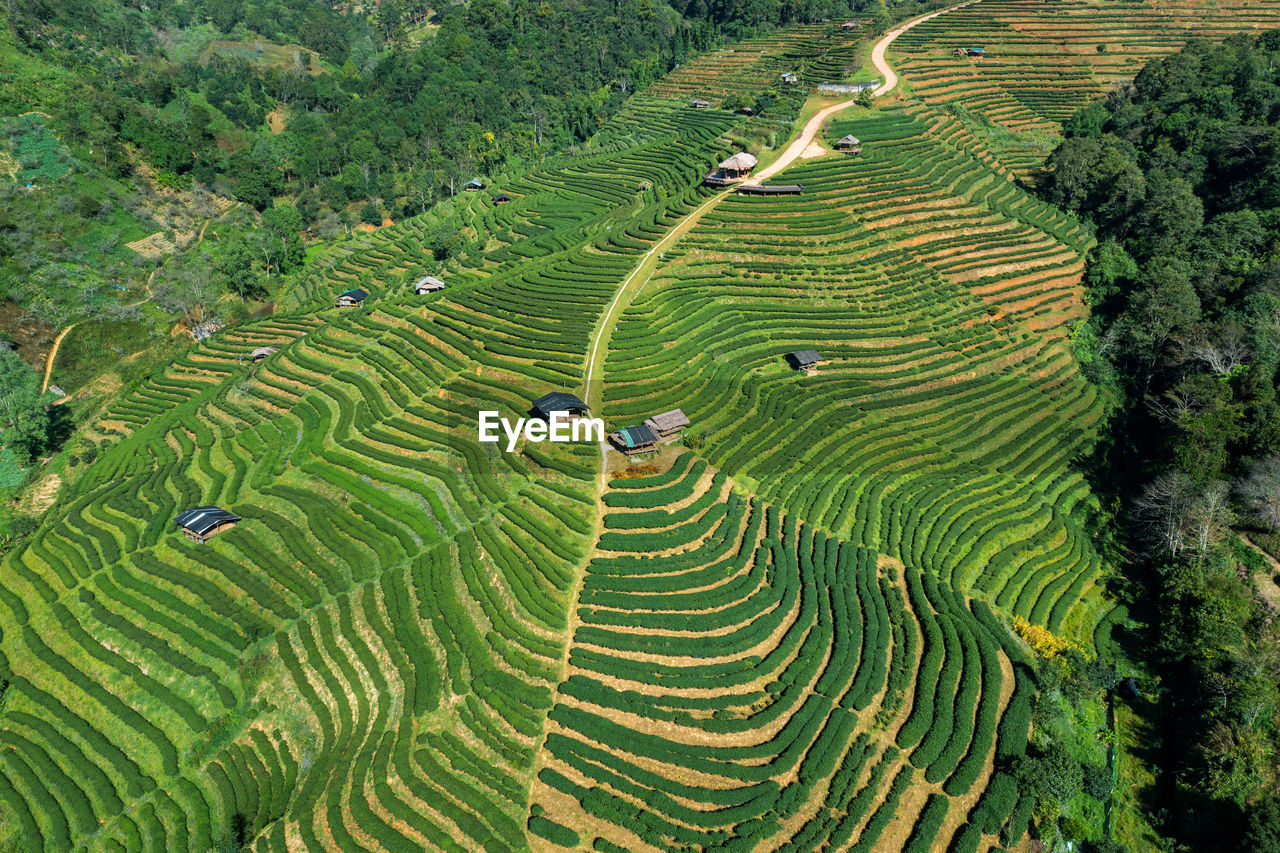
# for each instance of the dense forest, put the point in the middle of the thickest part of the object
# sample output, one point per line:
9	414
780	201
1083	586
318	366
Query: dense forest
389	108
1180	174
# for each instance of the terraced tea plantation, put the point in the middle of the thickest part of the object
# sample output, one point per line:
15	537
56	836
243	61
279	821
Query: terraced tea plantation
1045	59
815	53
365	661
941	427
740	678
790	635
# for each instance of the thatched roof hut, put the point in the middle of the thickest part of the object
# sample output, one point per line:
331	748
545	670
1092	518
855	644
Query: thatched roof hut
739	164
668	423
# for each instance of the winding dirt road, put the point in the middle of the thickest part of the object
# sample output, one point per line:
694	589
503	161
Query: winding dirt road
632	284
815	122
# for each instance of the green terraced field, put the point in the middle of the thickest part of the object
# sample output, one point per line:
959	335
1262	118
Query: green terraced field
793	635
738	677
942	426
1048	58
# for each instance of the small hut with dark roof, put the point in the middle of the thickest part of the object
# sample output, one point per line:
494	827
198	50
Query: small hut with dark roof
559	401
262	352
849	144
428	284
668	424
501	198
350	298
204	522
634	439
804	359
771	189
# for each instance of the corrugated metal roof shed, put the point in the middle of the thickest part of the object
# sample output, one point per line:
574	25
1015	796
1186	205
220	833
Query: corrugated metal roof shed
200	520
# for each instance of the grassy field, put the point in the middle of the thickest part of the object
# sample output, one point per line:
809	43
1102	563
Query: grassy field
792	633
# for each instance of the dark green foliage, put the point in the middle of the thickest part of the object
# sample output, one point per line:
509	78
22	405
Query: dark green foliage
1177	172
1054	776
1263	834
552	831
24	421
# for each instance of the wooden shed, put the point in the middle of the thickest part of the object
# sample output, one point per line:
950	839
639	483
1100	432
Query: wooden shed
849	26
262	352
428	284
634	439
700	103
771	189
804	359
668	424
849	144
202	523
472	186
350	298
501	198
790	78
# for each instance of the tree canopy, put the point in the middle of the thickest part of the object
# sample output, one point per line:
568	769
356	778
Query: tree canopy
1179	173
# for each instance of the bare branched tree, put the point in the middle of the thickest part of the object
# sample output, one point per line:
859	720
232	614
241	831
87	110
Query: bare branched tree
1211	516
1221	348
1260	491
1222	356
185	292
1177	515
1176	403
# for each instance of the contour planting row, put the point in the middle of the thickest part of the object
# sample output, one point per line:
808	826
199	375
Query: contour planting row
937	372
392	606
740	677
1045	60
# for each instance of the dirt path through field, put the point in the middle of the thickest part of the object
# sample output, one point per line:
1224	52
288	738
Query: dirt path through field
798	148
878	52
53	352
802	147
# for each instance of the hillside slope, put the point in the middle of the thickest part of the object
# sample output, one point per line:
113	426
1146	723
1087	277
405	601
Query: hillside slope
414	640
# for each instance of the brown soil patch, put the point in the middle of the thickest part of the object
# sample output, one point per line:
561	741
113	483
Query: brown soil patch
276	119
42	495
33	337
8	165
